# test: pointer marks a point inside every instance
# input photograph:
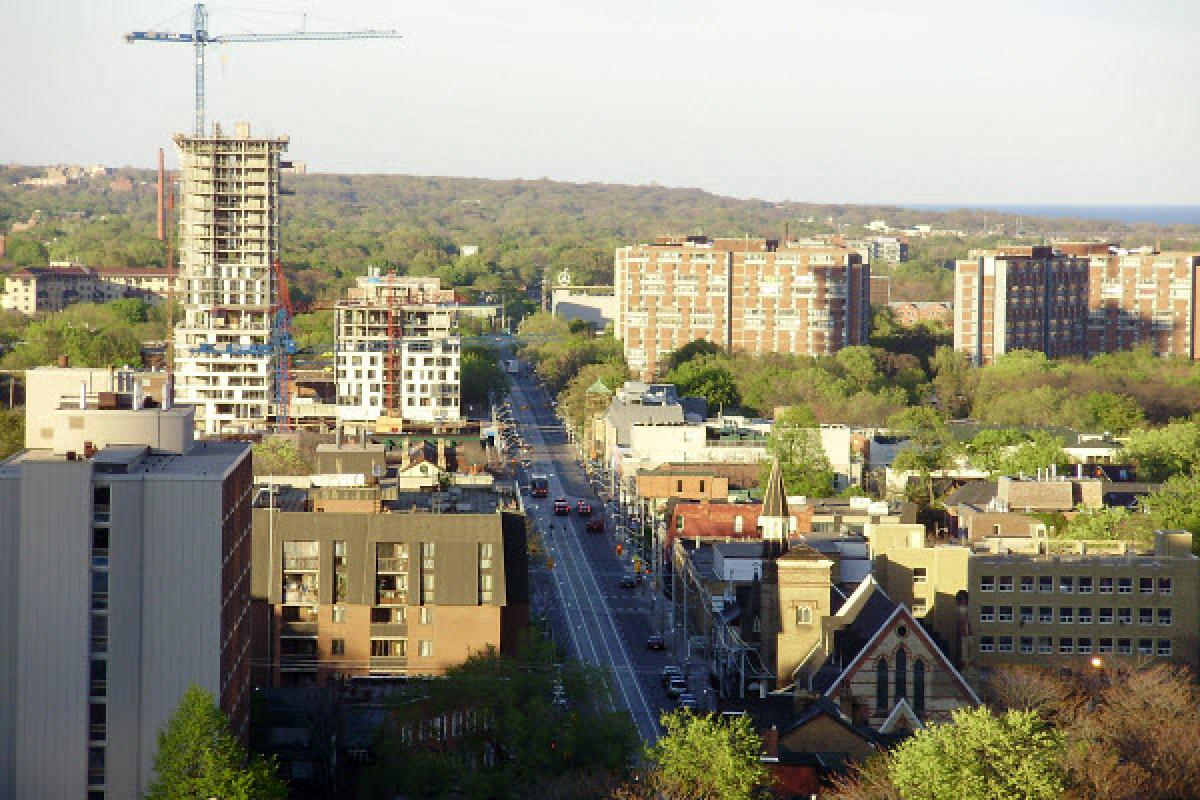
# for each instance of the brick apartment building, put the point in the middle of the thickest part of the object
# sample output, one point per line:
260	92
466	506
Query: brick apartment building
746	295
339	594
1140	297
1020	298
124	578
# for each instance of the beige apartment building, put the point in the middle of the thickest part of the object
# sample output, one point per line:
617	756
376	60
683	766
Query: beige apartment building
1020	298
1054	603
1141	297
746	295
35	290
358	593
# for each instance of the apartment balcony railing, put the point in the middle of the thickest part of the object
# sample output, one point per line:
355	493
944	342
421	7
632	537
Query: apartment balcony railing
392	597
296	597
391	565
301	563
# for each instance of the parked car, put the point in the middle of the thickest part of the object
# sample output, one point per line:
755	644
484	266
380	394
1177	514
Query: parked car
596	524
670	671
655	642
561	507
676	687
583	508
628	582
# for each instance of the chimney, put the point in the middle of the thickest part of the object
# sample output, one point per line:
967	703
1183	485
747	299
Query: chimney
64	361
770	740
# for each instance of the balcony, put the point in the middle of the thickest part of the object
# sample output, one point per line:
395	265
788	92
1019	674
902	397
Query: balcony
392	597
393	565
389	663
300	596
299	629
301	563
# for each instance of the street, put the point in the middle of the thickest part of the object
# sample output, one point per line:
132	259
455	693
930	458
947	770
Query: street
602	623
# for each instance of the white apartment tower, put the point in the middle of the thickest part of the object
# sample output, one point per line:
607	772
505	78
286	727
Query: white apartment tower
228	240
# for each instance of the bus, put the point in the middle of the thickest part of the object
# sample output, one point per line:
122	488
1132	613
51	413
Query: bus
539	485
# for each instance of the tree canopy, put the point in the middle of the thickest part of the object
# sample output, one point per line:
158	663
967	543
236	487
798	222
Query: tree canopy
199	757
796	443
705	757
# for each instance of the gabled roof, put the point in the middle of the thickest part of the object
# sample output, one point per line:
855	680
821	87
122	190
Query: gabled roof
900	614
902	711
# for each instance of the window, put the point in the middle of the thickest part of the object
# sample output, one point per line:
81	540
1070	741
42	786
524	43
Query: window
1066	645
1085	584
1006	614
99	547
1145	585
919	607
426	615
987	644
97	722
1124	647
1105	616
95	773
987	583
1045	583
1084	645
1006	644
1085	616
803	615
1045	645
98	678
679	487
99	591
987	614
1045	614
485	589
919	687
1164	586
1026	645
1145	647
1066	615
338	647
737	524
425	648
485	555
1145	616
881	686
1106	646
1164	616
1026	614
99	633
1006	583
1164	647
1066	584
1125	616
389	648
427	555
702	486
1125	586
1106	585
920	575
339	614
1026	583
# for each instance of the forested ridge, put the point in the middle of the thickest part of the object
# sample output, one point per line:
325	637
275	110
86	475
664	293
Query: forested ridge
336	225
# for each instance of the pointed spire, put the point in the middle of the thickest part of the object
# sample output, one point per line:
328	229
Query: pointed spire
775	497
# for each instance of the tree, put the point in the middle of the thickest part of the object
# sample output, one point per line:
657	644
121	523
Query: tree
709	378
1160	453
954	381
693	349
25	251
929	447
802	460
704	757
1176	505
279	456
480	374
1115	523
869	780
199	757
979	755
12	431
1113	412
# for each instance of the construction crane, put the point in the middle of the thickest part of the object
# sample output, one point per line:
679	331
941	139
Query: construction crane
200	37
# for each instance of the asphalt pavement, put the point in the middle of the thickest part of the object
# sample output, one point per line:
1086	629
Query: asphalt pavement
601	623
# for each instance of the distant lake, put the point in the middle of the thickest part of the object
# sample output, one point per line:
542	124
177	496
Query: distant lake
1160	215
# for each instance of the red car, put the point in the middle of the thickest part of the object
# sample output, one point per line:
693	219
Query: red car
583	508
596	525
561	507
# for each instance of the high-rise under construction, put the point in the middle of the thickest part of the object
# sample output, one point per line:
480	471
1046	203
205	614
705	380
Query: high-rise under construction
228	242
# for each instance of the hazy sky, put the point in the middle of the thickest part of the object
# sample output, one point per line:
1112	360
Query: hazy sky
1044	101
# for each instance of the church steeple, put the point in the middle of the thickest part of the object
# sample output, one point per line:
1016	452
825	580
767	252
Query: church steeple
774	520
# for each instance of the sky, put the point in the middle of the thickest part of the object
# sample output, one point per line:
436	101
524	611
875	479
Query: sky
857	101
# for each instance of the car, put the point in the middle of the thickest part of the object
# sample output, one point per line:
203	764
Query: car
628	582
676	687
583	508
526	463
561	507
596	525
655	642
670	671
